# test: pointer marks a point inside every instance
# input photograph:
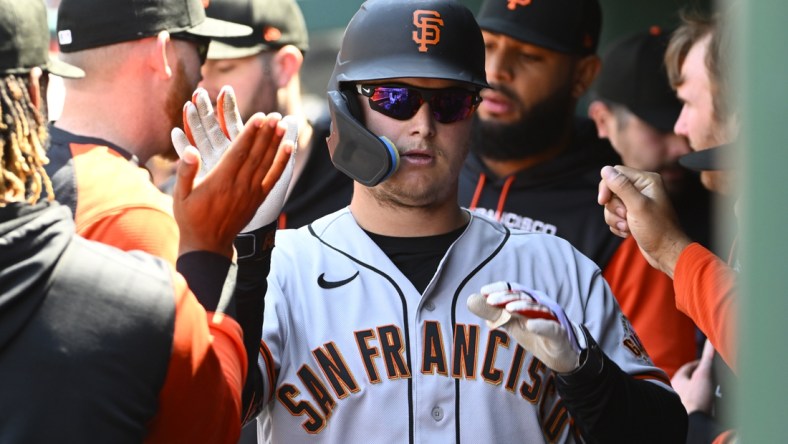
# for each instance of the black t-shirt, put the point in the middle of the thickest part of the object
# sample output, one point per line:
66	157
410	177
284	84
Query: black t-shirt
417	257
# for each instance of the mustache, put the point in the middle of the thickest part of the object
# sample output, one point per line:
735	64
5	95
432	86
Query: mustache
503	90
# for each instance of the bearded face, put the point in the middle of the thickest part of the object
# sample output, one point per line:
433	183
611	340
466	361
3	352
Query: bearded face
539	128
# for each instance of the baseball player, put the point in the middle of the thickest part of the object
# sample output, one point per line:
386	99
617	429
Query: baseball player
96	344
146	56
388	321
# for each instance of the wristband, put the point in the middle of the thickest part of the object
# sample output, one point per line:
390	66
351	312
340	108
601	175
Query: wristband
256	244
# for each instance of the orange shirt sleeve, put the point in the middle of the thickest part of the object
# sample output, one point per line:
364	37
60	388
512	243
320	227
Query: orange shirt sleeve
646	297
705	290
201	397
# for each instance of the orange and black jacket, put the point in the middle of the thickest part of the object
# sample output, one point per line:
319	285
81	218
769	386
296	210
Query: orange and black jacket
111	197
559	197
99	345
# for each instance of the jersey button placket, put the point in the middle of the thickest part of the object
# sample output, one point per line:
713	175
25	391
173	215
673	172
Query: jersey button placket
429	306
437	413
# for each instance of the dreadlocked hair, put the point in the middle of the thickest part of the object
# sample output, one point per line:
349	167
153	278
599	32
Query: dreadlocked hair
23	135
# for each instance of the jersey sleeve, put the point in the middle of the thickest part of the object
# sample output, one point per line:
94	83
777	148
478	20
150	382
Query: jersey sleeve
200	400
705	290
647	299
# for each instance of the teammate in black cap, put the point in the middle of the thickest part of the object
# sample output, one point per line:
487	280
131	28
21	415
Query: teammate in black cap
142	61
264	69
531	159
637	206
99	345
534	163
635	108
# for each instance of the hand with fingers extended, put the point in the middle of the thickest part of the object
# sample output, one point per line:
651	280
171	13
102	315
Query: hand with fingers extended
235	177
636	203
693	382
534	320
213	132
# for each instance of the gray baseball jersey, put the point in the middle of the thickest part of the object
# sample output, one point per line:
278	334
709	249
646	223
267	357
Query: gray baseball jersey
353	353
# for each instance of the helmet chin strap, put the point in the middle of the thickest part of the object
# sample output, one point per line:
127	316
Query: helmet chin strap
356	151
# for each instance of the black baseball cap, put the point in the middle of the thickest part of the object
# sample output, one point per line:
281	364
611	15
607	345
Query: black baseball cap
274	23
24	40
567	26
717	158
86	24
633	74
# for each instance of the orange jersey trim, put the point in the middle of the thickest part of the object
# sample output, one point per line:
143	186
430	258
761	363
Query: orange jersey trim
269	365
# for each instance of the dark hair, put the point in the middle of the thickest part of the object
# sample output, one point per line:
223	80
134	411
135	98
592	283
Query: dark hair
23	138
695	27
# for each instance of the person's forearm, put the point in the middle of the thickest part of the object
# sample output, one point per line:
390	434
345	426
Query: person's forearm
669	253
206	274
254	263
610	405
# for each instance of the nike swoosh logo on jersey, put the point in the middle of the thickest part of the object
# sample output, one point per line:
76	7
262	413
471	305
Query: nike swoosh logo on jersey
328	285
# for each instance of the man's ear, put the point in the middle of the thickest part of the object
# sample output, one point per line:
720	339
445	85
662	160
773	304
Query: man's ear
602	117
34	86
287	62
586	71
158	59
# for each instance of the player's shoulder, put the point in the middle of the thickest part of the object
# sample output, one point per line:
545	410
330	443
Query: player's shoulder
485	232
334	226
485	224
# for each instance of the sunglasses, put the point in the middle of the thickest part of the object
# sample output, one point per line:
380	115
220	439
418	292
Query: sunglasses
201	43
403	102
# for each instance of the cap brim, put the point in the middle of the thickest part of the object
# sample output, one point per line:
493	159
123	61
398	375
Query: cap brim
219	28
63	69
717	158
661	118
523	34
219	50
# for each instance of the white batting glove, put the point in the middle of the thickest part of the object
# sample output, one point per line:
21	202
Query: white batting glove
534	320
212	133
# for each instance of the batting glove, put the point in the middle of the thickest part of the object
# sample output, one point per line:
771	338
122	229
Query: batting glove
534	320
212	133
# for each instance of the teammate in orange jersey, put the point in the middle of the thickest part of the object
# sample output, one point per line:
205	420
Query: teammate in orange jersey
142	64
637	206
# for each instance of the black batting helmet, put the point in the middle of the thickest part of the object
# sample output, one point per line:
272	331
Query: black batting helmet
411	38
389	39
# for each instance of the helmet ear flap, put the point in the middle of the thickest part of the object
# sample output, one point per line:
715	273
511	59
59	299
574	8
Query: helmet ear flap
354	150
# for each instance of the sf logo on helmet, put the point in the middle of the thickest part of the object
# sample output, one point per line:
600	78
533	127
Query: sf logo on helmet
429	31
513	4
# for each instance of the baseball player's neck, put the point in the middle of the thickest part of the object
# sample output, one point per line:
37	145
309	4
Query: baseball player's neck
125	126
389	219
